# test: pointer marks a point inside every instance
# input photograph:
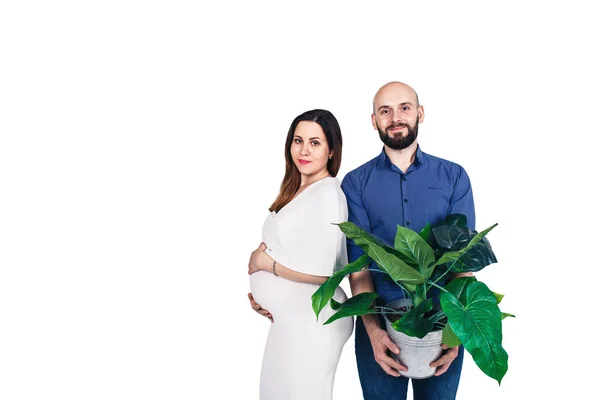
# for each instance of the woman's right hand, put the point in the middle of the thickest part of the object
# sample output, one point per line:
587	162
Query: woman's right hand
259	260
256	307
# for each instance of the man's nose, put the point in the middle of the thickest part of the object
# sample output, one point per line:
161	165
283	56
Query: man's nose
396	118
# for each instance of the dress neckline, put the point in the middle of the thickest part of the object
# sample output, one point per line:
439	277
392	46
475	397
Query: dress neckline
273	213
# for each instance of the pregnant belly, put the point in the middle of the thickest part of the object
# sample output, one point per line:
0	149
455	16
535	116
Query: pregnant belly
286	299
282	297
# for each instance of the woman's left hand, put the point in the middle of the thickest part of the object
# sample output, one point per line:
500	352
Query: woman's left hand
259	260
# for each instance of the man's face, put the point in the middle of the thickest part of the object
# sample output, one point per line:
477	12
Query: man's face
396	116
399	135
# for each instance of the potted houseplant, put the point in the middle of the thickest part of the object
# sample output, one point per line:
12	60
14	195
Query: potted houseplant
467	312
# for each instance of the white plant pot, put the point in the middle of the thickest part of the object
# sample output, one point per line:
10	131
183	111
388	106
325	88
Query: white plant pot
416	354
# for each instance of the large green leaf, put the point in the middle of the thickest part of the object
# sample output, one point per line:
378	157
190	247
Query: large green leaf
449	338
478	325
389	259
413	323
450	220
362	237
425	232
409	287
413	246
453	256
397	269
458	287
455	220
356	305
359	235
326	291
418	294
453	238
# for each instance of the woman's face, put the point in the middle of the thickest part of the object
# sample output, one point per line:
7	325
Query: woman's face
309	149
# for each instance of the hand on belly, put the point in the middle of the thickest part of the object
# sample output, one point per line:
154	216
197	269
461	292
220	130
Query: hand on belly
281	297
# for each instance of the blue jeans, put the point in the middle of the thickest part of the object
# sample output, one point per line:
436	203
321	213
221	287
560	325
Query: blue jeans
377	385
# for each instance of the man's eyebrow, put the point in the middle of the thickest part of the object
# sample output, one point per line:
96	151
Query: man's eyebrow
402	104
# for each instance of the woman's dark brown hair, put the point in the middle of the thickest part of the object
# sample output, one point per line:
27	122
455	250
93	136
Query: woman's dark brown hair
333	134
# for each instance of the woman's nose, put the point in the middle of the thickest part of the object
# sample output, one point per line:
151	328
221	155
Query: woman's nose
305	150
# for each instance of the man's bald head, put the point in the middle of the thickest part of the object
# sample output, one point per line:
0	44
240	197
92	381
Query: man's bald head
392	90
397	114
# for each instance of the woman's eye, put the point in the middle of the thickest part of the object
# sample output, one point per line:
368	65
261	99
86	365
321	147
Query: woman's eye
315	143
297	141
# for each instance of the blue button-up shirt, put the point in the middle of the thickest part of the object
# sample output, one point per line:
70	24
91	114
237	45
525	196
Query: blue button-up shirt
380	197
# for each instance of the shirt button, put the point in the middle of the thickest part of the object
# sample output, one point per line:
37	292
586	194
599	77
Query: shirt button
404	178
406	200
407	223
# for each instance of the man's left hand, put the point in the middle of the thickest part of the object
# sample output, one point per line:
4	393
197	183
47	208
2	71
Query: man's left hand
443	363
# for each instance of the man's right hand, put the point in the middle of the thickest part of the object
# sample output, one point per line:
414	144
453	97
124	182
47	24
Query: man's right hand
361	282
381	342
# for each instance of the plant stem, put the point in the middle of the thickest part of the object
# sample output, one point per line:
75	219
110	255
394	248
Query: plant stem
437	286
375	270
387	309
435	318
379	312
438	325
444	274
407	294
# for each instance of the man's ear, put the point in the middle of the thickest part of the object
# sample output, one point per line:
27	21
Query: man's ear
373	121
421	114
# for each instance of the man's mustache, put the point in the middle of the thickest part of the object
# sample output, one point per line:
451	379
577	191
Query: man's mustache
399	125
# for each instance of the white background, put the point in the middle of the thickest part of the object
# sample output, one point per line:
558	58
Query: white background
142	142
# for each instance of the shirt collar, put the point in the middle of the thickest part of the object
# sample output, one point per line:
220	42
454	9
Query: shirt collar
385	160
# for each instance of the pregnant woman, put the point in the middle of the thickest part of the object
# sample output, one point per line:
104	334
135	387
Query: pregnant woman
301	248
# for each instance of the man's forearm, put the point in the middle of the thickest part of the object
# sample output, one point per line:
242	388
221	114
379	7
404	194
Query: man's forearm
461	275
361	282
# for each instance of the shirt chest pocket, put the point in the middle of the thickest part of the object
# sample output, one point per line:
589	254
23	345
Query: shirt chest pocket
435	201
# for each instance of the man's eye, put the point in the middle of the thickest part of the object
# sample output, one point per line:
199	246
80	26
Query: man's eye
385	112
405	108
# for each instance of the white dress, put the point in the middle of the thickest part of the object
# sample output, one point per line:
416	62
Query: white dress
301	354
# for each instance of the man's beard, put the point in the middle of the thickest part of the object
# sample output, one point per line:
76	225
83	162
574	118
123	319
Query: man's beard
402	141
